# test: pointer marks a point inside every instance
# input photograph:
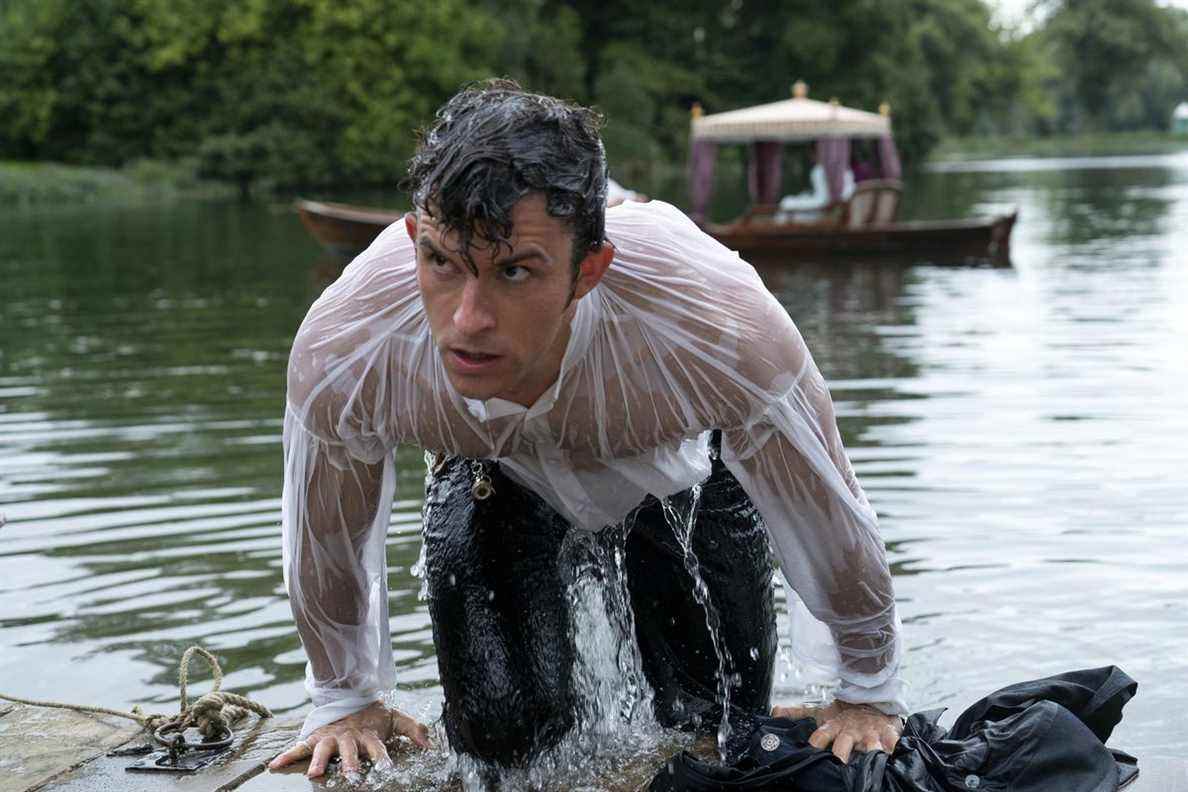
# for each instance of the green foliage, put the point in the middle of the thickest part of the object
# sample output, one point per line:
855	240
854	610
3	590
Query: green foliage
301	92
310	92
1123	63
139	181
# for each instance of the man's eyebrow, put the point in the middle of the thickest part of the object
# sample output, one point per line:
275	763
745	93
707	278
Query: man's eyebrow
524	255
426	245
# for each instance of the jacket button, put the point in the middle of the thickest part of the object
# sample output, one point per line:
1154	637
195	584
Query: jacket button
972	781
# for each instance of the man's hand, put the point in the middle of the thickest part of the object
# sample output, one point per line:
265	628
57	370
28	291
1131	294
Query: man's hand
367	729
848	726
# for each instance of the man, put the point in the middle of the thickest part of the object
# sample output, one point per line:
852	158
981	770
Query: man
574	365
806	206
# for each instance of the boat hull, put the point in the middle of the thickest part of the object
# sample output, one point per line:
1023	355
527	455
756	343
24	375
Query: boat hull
343	229
940	242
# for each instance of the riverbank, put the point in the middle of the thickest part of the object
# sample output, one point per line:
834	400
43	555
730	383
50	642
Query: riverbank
144	180
1104	144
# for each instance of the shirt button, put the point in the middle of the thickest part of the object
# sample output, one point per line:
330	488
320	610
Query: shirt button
972	781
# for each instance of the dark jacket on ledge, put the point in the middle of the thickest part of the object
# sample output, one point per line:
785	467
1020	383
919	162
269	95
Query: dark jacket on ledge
1039	736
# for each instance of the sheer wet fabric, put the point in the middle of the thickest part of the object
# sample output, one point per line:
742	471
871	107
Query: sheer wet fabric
1038	736
679	338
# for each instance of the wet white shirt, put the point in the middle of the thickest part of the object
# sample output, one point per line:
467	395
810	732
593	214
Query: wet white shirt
680	337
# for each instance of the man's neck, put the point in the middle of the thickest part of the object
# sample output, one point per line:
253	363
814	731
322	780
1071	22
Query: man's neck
544	376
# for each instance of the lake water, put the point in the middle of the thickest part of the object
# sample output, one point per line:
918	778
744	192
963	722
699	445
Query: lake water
1023	433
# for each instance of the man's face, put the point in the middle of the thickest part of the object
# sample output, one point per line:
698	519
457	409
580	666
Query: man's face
502	333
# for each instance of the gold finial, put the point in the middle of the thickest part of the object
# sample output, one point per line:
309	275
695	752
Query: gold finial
800	90
885	109
695	110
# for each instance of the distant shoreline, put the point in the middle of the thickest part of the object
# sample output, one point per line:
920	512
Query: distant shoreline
1103	144
45	183
28	183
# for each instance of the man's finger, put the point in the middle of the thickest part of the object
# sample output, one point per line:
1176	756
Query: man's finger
822	737
417	732
376	750
295	754
890	738
842	746
794	712
326	748
348	750
870	743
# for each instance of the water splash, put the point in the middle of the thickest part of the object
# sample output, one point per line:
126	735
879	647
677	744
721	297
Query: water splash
795	683
418	568
682	519
613	693
615	733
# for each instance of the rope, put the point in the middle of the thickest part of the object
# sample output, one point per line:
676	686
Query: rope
212	714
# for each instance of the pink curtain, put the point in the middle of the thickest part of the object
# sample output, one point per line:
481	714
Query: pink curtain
834	155
701	178
889	158
764	172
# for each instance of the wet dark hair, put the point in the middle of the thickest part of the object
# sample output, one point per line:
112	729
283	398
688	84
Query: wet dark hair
494	143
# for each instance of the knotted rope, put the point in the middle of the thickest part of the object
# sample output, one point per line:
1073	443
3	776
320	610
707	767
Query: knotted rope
213	714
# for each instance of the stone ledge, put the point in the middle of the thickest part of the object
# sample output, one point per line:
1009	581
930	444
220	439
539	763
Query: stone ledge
38	744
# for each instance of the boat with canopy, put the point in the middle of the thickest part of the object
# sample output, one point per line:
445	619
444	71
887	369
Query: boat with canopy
861	222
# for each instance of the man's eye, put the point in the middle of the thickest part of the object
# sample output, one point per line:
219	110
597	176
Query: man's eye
438	262
516	274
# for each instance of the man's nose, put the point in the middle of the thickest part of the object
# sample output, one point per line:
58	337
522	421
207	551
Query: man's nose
474	314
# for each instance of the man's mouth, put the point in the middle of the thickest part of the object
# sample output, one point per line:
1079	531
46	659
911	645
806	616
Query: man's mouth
472	359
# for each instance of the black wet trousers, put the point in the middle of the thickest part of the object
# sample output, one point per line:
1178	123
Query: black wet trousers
503	625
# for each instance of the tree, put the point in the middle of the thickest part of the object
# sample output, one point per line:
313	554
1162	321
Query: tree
1105	49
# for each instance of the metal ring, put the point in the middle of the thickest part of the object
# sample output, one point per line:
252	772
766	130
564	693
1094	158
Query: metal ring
224	740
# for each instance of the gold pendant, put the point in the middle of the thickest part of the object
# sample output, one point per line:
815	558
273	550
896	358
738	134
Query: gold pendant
482	488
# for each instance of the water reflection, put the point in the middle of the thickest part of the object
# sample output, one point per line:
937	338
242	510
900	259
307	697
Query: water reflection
1020	431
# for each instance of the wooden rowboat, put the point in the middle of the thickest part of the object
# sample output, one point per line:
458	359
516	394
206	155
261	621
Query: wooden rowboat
858	221
343	229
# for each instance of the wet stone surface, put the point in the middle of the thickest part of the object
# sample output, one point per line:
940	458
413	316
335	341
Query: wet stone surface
254	745
36	745
63	751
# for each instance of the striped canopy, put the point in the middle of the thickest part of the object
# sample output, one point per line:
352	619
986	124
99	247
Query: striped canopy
793	119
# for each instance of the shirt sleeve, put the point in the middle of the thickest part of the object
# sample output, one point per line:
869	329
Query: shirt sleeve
789	458
717	350
335	514
340	431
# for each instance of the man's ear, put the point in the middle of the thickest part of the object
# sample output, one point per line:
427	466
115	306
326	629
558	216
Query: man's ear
410	224
592	268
